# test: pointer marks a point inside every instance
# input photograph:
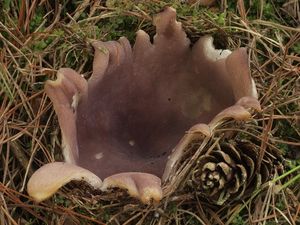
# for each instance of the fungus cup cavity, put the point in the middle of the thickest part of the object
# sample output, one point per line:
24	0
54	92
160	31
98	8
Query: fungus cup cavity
129	123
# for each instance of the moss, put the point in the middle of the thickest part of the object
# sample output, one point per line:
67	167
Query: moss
37	19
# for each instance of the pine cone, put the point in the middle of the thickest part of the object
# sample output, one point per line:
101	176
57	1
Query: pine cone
230	167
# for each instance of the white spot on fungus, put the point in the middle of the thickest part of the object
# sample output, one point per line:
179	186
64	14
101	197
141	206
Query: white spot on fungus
99	155
131	142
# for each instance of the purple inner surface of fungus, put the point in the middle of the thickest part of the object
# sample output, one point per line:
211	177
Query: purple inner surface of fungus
135	115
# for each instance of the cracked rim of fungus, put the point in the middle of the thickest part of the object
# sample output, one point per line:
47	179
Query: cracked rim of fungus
128	124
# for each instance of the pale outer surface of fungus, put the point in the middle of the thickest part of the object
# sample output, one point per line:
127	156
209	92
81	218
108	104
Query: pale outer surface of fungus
130	122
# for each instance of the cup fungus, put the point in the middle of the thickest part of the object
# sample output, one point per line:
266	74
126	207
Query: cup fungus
123	124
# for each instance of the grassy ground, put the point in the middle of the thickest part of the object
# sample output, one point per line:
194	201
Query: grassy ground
39	37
